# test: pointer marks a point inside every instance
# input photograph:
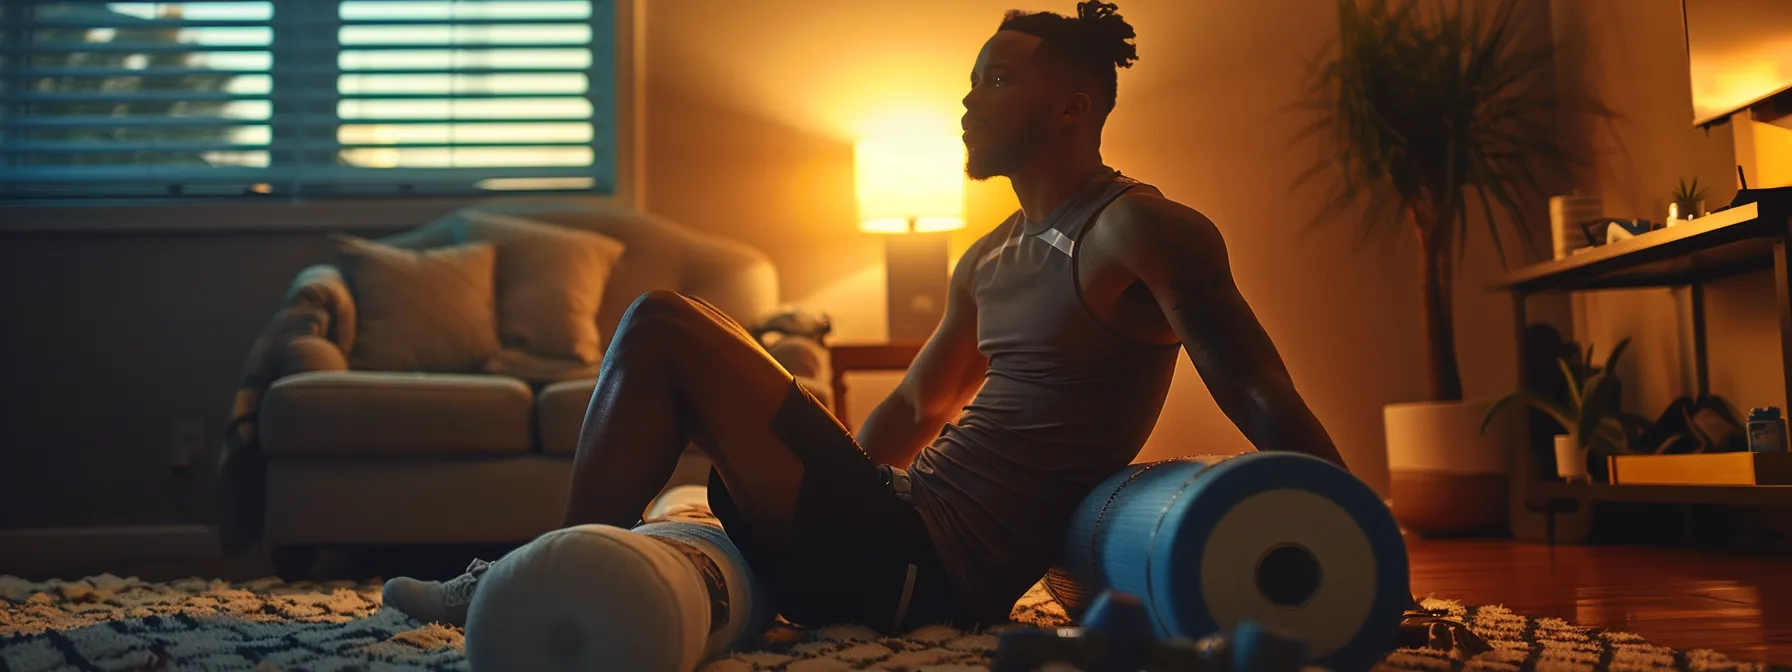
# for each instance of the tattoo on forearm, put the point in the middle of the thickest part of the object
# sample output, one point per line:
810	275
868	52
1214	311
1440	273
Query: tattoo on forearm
1229	346
1202	297
1195	278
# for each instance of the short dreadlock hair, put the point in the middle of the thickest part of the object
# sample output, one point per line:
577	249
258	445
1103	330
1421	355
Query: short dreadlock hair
1095	41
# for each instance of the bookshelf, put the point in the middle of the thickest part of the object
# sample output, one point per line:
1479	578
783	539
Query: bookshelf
1741	239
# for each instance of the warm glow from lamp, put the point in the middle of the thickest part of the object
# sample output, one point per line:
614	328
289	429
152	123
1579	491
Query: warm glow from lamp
910	178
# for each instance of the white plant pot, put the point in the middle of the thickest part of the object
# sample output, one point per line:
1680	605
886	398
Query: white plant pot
1447	477
1571	459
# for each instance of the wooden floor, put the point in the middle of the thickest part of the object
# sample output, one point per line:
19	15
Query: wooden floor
1738	605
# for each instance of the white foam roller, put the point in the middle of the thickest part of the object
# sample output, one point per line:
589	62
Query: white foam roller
674	501
665	596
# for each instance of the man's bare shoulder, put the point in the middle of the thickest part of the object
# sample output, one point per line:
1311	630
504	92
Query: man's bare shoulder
1147	223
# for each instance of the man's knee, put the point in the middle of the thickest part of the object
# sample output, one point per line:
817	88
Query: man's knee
662	317
661	304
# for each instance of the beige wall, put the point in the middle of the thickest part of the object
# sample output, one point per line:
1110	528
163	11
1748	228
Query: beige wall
1633	60
110	343
752	107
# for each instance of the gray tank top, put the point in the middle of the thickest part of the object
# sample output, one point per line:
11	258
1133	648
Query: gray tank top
1067	402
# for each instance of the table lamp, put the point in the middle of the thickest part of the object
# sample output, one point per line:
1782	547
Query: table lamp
911	190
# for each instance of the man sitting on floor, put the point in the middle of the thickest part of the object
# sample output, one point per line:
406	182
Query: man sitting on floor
1045	376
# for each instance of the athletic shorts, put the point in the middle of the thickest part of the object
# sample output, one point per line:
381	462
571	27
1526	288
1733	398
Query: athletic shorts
858	551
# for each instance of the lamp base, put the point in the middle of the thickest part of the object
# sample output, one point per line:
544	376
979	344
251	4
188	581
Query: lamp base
916	267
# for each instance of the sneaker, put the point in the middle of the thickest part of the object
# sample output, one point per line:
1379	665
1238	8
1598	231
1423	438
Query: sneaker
436	601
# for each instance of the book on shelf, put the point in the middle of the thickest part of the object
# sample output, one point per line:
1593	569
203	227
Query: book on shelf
1740	468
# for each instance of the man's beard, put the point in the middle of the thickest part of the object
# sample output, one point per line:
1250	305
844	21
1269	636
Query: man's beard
998	157
987	161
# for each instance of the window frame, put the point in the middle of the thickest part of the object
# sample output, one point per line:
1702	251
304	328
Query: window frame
285	214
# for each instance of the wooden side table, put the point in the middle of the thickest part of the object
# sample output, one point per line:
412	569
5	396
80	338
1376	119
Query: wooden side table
893	356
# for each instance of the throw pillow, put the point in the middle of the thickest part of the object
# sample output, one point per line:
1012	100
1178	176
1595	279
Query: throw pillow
427	311
550	283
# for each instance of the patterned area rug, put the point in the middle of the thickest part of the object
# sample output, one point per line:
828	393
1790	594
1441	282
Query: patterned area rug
110	623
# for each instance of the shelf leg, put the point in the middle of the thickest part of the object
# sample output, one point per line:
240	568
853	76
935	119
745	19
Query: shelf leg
1518	319
1551	523
1522	469
1688	533
1700	361
1522	519
1782	287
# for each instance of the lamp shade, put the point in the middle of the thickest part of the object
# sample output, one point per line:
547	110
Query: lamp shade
909	177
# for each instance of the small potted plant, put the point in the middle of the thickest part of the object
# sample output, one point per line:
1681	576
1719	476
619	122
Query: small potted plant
1593	417
1689	202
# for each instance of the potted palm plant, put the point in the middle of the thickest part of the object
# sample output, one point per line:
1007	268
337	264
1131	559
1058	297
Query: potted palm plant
1433	116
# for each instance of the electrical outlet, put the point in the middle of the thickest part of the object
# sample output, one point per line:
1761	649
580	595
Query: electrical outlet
189	441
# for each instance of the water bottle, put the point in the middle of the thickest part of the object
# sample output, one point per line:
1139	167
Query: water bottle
1766	430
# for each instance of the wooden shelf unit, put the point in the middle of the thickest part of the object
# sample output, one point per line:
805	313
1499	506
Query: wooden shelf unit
1721	244
1738	240
1745	495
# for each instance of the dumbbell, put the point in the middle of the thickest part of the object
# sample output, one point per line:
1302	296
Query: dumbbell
1116	636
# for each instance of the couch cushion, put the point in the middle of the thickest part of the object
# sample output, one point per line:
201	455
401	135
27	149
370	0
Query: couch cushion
420	310
387	414
536	369
550	282
560	414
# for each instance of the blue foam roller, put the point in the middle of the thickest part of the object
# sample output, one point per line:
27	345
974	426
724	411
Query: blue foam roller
1209	542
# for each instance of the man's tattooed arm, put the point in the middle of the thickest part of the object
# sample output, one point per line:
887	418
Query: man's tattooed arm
1181	257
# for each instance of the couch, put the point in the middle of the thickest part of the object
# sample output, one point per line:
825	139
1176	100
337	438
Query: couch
325	450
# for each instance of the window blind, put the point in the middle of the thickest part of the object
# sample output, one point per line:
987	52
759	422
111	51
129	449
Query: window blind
305	97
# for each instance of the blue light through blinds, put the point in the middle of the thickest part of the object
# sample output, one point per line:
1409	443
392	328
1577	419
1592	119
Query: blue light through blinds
306	98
